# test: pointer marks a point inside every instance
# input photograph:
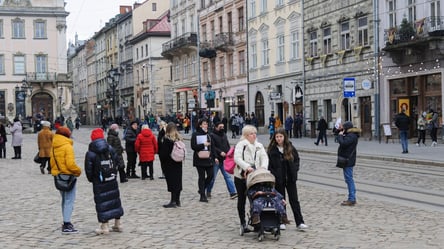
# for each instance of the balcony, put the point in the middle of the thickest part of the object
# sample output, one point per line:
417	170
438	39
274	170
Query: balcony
33	76
415	41
224	42
207	50
179	45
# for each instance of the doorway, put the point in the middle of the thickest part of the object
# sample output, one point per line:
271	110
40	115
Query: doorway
365	107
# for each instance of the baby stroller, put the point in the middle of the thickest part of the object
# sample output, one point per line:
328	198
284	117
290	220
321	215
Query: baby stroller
270	220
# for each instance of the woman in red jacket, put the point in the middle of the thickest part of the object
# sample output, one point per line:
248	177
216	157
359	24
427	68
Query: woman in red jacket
146	147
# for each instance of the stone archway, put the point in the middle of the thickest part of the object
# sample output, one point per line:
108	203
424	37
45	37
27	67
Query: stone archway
43	103
259	109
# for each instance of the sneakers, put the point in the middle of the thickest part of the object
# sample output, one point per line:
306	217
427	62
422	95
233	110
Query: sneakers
302	226
282	227
68	228
348	203
434	144
233	196
417	144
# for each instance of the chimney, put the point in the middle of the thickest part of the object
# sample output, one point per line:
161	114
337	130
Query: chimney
125	9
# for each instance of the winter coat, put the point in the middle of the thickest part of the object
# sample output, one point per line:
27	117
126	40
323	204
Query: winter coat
170	168
248	155
130	139
17	135
402	121
146	145
114	140
219	144
284	171
63	153
200	162
348	143
3	133
106	194
322	125
288	123
421	123
44	141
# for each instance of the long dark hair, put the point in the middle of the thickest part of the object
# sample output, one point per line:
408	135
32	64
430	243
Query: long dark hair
288	148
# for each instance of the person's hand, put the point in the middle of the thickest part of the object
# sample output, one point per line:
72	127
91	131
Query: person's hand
223	154
216	160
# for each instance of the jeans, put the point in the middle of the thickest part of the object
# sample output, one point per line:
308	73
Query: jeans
404	140
348	176
227	178
68	198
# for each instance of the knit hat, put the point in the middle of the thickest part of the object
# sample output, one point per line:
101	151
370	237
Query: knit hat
96	134
134	122
45	123
347	125
114	127
145	126
62	130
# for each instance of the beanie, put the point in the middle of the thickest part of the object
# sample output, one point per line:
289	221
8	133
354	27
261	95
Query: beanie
45	123
114	127
96	134
62	130
347	125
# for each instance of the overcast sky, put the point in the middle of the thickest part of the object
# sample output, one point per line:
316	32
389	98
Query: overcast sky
89	16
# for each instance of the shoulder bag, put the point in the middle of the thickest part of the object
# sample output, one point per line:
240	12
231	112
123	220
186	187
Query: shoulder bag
63	182
342	162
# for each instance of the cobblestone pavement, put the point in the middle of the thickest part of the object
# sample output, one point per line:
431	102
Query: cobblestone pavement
30	215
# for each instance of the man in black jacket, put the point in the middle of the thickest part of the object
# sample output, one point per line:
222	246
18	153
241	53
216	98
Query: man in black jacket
130	139
322	127
402	121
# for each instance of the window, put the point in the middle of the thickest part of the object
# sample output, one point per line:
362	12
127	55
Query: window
279	3
141	52
18	28
252	8
222	67
204	32
146	50
345	35
1	28
265	59
213	69
392	13
240	14
230	22
185	67
263	6
137	53
39	29
327	41
294	45
2	64
212	30
313	44
435	12
412	10
193	65
41	64
363	32
241	62
221	24
280	48
2	103
253	53
230	65
176	70
19	64
154	6
205	71
184	26
191	23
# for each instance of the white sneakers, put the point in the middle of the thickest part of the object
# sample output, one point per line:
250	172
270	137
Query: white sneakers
434	144
302	226
282	227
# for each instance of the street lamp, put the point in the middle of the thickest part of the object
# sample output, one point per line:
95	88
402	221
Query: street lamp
21	92
113	81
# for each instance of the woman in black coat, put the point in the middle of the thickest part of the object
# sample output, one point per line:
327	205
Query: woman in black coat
106	189
114	140
200	141
284	165
170	168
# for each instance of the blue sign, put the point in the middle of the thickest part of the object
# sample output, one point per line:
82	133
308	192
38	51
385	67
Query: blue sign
349	86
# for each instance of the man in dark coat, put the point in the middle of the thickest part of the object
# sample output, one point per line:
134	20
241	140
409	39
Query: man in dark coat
130	139
402	121
322	127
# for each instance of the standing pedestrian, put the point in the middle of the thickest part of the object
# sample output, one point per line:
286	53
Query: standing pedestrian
322	128
3	140
298	126
219	149
201	145
348	142
433	124
100	171
421	126
234	125
146	147
284	165
131	154
17	138
114	140
402	121
160	136
277	122
171	168
249	155
289	125
63	161
69	124
44	142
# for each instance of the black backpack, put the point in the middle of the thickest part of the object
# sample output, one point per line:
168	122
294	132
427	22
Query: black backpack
107	170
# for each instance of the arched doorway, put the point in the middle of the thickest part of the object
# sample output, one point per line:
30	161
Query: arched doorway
346	115
259	108
43	103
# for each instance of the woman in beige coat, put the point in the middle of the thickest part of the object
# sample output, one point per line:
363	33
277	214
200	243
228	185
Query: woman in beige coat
44	141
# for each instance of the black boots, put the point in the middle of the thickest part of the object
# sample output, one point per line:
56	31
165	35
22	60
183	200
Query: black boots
203	198
172	203
144	174
177	198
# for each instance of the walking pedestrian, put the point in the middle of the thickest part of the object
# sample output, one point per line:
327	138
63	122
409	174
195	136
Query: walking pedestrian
421	126
402	121
17	138
348	142
100	161
131	154
322	128
201	145
433	124
3	140
219	149
44	142
284	165
62	161
146	147
114	140
249	155
171	168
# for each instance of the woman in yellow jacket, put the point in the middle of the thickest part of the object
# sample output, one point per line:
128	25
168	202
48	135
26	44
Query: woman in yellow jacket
63	162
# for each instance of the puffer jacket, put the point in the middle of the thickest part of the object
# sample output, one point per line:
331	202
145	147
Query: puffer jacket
146	145
130	139
44	141
106	194
114	140
200	162
348	143
17	135
63	153
247	155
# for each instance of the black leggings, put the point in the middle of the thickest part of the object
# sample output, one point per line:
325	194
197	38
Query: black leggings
203	181
241	188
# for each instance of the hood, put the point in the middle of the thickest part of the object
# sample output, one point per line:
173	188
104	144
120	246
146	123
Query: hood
113	133
354	130
98	146
60	140
146	133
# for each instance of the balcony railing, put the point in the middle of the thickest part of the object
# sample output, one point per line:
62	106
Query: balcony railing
187	39
421	29
41	76
223	40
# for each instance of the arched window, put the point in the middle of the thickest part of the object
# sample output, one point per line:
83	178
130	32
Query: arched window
259	108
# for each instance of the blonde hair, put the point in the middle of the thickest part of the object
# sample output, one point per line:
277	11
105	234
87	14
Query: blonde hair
171	132
247	130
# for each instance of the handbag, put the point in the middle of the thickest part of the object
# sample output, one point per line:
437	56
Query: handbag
37	158
203	154
63	182
342	162
229	163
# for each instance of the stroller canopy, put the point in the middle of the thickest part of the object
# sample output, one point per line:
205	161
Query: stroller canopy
258	176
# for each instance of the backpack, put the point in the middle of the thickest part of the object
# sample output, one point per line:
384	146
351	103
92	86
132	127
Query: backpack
107	171
229	163
179	151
